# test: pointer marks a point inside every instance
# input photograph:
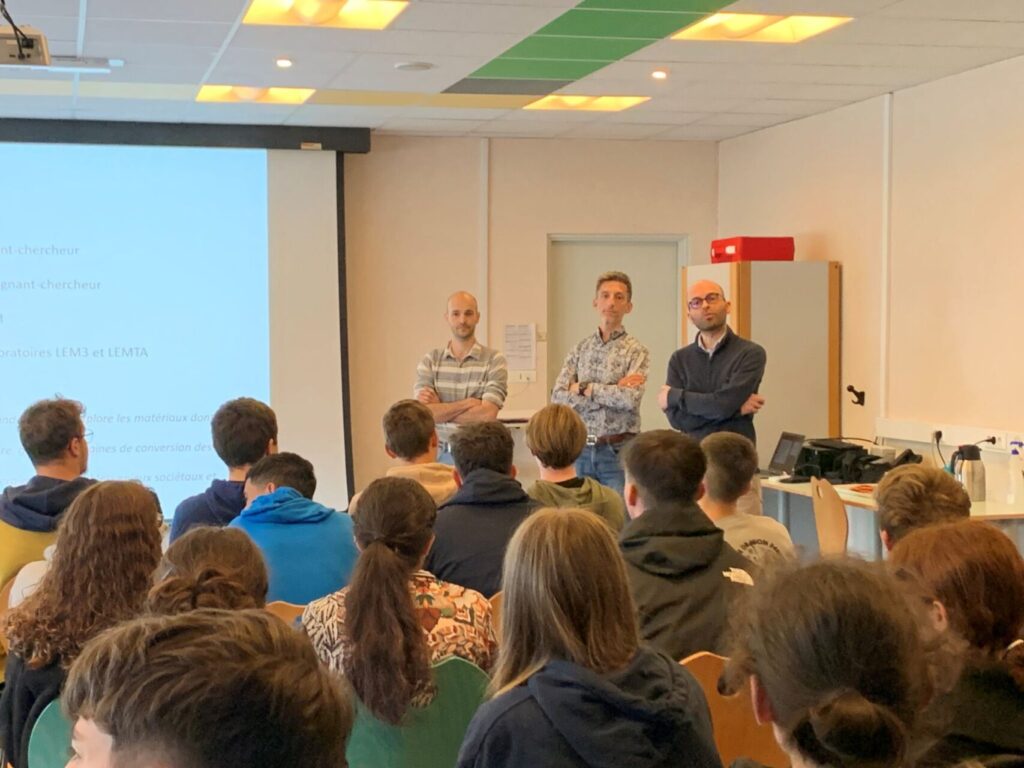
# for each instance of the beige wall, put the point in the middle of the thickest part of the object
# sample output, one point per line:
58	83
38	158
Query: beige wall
958	266
414	231
820	180
955	272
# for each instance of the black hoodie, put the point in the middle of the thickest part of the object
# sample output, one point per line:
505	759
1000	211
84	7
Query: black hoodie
473	529
650	714
683	577
39	505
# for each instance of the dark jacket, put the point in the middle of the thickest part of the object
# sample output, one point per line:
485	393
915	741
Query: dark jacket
707	392
473	528
985	715
26	694
39	504
683	576
218	505
650	714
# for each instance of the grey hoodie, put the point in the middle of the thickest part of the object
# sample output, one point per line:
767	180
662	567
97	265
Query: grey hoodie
599	499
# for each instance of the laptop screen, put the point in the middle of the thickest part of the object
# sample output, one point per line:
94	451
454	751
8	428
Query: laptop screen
786	453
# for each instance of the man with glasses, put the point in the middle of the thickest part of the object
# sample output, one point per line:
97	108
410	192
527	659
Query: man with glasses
712	383
603	380
54	437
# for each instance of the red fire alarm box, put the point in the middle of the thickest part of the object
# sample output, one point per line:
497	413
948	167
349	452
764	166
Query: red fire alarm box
752	249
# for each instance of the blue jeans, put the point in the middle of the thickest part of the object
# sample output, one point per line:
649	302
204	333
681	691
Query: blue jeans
601	462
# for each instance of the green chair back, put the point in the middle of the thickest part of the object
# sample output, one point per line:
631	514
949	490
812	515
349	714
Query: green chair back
49	744
431	735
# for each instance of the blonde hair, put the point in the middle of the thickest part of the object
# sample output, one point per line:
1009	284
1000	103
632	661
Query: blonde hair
914	496
556	435
566	596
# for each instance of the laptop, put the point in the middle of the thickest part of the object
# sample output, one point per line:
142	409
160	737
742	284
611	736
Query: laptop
786	452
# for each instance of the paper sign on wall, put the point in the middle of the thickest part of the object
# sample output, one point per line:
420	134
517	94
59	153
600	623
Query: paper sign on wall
521	346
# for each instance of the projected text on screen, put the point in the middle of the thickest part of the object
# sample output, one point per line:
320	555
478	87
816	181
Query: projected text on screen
133	279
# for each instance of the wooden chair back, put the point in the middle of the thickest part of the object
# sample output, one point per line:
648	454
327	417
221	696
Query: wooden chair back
287	612
737	732
496	602
830	519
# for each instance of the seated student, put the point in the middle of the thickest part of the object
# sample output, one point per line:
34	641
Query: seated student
108	544
410	436
573	685
556	437
474	526
683	574
385	629
913	496
837	662
244	431
209	568
205	689
732	464
976	573
308	547
53	436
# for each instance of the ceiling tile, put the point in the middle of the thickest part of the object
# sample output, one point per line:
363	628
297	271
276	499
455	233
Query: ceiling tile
741	118
537	69
254	66
977	10
24	13
189	58
794	107
55	28
524	129
597	23
226	11
377	71
131	32
856	8
424	44
255	114
569	48
603	130
431	127
892	31
472	17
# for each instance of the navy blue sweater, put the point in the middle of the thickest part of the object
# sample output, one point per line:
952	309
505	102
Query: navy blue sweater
652	714
218	505
708	391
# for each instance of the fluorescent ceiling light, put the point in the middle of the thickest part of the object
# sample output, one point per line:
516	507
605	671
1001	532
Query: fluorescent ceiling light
759	28
340	14
587	103
244	94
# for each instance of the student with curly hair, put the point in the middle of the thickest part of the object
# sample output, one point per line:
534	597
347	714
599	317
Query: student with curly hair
977	575
210	567
838	662
108	545
394	619
573	685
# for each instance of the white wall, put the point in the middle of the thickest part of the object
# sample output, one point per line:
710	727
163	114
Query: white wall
415	233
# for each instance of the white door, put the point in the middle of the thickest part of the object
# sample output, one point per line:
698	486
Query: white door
653	267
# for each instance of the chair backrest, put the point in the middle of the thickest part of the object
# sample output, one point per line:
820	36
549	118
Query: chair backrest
737	732
829	518
287	612
50	741
496	603
431	735
5	595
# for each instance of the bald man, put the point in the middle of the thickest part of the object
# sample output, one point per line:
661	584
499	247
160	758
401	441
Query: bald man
712	383
464	381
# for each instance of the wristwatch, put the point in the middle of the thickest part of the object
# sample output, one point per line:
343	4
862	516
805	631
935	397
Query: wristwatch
583	387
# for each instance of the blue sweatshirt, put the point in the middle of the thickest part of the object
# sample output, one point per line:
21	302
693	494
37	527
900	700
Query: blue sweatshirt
218	505
309	548
707	391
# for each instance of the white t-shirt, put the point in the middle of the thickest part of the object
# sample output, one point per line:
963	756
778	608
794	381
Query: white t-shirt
757	538
28	578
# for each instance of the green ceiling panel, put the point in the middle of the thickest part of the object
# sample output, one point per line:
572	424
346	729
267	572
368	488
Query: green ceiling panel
537	69
607	49
702	7
648	25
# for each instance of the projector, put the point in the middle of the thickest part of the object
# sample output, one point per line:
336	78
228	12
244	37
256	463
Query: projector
34	50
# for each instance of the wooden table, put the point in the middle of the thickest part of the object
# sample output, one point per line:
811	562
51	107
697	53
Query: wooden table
1008	516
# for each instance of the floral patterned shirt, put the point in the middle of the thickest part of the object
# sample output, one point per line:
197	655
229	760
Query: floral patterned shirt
456	620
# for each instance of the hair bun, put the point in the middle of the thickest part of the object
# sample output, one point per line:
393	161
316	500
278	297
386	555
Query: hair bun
209	588
848	729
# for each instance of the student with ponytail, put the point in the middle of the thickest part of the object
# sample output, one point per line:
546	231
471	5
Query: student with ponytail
393	620
976	574
836	657
209	567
